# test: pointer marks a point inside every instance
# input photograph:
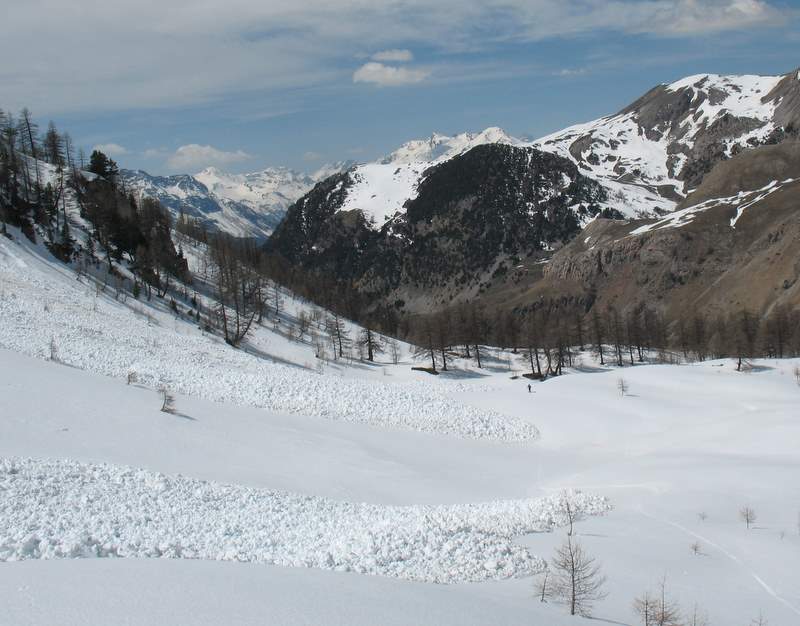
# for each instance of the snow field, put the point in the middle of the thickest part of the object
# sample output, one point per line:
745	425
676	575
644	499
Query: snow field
66	509
98	334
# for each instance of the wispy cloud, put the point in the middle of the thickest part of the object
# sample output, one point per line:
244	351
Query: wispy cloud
388	75
154	153
193	157
395	55
311	156
566	72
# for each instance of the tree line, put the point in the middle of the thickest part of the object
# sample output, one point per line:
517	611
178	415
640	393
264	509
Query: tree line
549	339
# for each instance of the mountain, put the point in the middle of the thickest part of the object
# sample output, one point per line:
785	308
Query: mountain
471	218
731	245
654	152
455	217
243	205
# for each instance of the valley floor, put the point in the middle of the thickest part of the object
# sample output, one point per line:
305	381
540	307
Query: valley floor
281	494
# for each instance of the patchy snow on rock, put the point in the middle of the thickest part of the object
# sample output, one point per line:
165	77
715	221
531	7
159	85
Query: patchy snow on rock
636	163
742	201
66	509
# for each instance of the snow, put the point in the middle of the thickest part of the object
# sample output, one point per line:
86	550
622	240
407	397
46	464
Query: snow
148	592
386	485
125	512
379	191
243	205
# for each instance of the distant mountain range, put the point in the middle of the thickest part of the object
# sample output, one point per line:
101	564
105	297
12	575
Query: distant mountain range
243	205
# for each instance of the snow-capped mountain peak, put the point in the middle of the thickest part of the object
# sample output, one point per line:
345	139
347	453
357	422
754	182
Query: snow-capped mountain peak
439	147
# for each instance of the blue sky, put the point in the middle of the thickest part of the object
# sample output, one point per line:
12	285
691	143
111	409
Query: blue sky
186	84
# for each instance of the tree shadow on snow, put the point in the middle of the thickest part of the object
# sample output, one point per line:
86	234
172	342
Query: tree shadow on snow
462	374
607	621
257	352
591	369
184	416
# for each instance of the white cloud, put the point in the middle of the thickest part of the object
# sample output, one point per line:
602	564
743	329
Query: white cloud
388	75
111	149
394	55
194	157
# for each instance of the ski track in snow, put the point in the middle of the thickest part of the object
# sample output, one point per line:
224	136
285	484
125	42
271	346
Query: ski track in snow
66	509
729	555
107	337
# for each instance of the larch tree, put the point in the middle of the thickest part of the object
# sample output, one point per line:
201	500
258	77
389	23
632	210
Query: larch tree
577	578
598	335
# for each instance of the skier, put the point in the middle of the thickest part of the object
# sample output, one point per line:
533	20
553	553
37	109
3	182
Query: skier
529	387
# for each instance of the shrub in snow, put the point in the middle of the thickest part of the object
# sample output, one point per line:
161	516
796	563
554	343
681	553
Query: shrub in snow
747	515
54	351
167	401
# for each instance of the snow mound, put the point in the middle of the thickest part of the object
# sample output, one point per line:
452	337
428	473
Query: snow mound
40	303
66	509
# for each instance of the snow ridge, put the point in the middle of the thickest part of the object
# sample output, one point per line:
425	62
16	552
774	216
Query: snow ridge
117	511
